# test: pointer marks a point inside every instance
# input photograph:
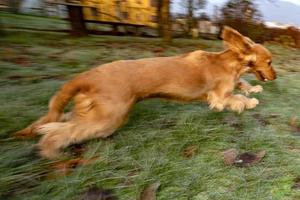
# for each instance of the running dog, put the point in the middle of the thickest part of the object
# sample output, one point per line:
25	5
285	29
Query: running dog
103	96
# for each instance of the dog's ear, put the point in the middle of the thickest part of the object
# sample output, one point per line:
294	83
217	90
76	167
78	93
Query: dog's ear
236	41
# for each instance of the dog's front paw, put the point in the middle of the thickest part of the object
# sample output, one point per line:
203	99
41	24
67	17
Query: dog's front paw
256	89
252	103
238	106
216	106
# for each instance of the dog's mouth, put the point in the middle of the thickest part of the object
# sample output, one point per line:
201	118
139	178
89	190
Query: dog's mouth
261	76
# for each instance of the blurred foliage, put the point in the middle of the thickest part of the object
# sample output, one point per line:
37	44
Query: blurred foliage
151	146
244	10
243	16
190	7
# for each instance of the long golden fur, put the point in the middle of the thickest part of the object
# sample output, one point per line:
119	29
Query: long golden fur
104	95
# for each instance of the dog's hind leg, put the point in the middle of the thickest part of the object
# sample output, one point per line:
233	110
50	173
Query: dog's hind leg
30	131
66	117
56	108
59	135
91	119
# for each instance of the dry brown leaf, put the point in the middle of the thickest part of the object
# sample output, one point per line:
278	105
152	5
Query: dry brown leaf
293	121
248	158
296	185
149	193
230	156
294	125
65	167
96	193
23	61
233	122
261	119
158	50
190	151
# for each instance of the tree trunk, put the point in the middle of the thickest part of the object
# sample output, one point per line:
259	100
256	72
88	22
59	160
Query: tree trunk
76	19
14	5
115	29
1	28
190	17
165	21
159	17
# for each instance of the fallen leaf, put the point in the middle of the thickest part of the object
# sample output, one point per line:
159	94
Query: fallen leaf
294	125
149	193
233	121
230	156
54	77
65	167
96	193
294	150
293	121
130	176
296	185
190	151
261	119
158	50
24	61
248	158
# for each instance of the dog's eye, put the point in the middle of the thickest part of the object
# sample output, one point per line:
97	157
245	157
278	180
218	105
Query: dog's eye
270	62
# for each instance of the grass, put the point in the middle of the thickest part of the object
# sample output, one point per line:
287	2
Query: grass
149	148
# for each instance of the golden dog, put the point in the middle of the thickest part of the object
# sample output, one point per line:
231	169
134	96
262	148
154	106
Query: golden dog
104	95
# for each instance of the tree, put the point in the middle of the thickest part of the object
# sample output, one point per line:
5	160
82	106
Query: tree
243	16
164	20
1	28
191	7
241	10
203	16
14	5
216	14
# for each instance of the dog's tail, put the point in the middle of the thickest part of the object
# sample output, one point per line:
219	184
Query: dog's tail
55	108
61	99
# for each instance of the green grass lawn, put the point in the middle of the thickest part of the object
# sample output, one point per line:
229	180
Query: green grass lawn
150	147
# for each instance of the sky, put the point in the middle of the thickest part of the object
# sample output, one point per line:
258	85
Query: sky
294	1
222	1
283	11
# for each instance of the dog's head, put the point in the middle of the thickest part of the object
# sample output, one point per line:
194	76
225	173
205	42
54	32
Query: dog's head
256	56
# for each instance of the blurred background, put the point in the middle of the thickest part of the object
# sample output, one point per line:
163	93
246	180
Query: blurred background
44	43
263	20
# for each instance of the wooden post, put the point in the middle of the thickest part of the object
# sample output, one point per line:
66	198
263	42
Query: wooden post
1	28
76	19
137	31
166	21
159	18
115	29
